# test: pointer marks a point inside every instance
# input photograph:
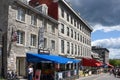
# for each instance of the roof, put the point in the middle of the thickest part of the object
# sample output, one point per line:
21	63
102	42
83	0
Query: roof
36	11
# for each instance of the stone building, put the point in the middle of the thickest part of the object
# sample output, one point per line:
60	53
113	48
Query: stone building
24	29
103	53
74	33
50	25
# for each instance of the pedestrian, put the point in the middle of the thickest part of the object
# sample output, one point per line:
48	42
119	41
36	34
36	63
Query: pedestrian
111	71
30	72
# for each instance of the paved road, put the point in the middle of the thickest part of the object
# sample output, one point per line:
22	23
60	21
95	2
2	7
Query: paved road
103	76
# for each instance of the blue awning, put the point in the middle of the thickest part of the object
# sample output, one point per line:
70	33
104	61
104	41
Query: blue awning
34	57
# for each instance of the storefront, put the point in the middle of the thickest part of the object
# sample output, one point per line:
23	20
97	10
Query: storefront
52	67
91	62
91	66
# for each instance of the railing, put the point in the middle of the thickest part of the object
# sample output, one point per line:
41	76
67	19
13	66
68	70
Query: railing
64	75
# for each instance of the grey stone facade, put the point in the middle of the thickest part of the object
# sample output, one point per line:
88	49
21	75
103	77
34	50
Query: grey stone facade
14	54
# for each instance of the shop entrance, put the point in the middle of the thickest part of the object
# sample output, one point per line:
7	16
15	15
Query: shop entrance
20	66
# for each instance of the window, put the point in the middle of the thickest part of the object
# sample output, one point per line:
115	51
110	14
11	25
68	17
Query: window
21	14
83	39
45	9
20	37
71	33
71	20
75	35
62	28
53	44
75	23
62	13
71	48
33	19
78	50
33	40
53	29
62	46
68	47
45	43
78	25
75	49
78	37
44	24
67	31
67	17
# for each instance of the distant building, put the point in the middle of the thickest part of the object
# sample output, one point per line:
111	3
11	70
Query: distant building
95	55
102	52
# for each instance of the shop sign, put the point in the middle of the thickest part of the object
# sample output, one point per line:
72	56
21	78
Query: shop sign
75	72
68	73
60	75
37	74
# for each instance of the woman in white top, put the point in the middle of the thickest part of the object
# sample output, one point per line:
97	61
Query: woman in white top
30	72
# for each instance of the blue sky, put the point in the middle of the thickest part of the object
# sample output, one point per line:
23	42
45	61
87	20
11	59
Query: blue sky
104	18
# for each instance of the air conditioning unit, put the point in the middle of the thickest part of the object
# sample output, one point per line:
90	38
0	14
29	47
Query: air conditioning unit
43	8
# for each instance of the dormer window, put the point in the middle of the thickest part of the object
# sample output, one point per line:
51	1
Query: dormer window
43	8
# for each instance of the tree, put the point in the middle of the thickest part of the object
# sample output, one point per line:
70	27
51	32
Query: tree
115	62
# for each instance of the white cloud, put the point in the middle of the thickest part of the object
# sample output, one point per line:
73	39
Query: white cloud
112	44
106	28
109	43
114	53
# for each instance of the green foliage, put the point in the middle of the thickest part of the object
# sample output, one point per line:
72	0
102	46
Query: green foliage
115	62
2	79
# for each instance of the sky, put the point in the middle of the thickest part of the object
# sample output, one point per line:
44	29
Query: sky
104	17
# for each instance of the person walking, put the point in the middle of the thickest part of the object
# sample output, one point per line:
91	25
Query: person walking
111	71
30	72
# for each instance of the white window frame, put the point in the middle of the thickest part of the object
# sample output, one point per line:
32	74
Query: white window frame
72	50
21	14
45	42
53	29
68	17
53	44
62	12
20	37
62	46
68	31
33	40
62	28
33	19
72	33
68	47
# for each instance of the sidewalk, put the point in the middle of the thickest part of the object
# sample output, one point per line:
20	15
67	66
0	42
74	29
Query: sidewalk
83	77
